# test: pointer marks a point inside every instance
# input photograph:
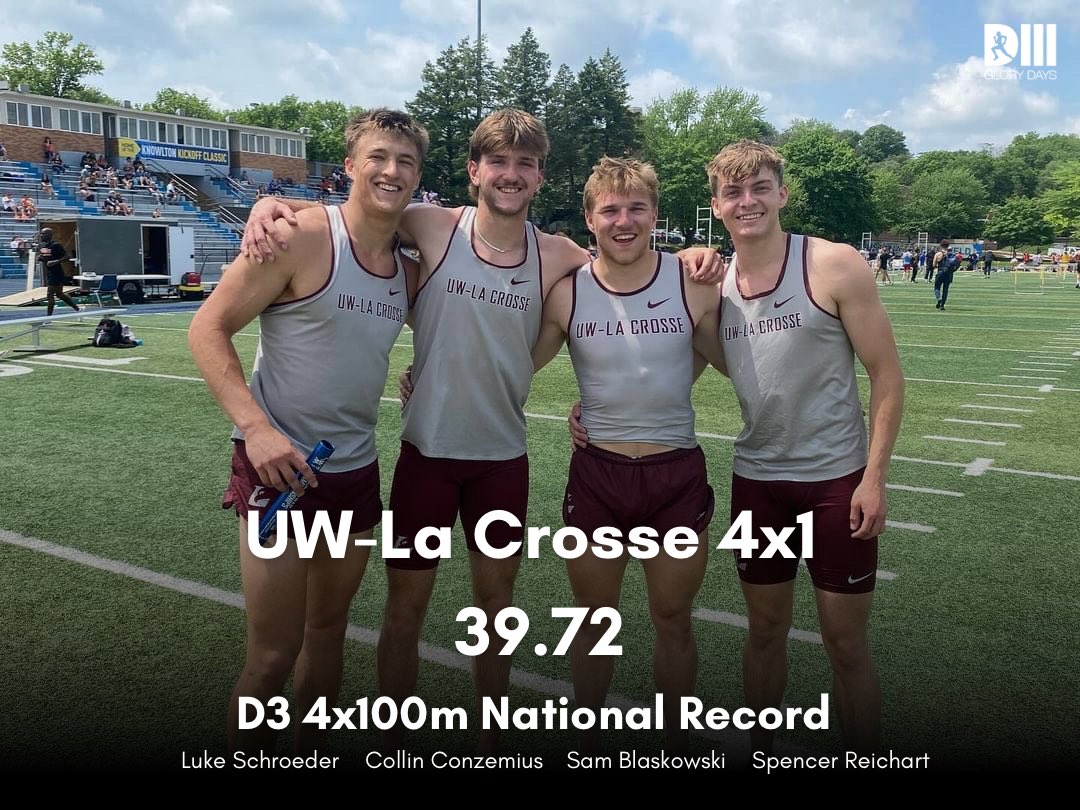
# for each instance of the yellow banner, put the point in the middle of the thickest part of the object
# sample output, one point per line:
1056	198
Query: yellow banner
127	148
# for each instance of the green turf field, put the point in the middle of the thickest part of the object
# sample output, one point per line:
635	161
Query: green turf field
122	635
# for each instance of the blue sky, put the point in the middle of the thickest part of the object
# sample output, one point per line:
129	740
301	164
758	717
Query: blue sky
912	64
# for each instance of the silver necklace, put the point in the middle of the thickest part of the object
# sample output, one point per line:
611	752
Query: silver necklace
486	242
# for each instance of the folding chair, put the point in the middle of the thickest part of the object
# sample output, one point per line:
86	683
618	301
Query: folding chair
108	286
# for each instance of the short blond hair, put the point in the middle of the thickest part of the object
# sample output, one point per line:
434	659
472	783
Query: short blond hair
743	159
507	129
394	122
621	176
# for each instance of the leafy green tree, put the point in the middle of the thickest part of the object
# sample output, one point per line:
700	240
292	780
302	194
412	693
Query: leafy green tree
888	199
564	174
522	79
997	177
325	121
169	100
835	182
1029	157
447	104
1062	202
683	132
1019	221
947	203
52	66
880	142
606	125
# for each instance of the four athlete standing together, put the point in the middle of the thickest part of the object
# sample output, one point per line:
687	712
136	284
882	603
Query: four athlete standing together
491	300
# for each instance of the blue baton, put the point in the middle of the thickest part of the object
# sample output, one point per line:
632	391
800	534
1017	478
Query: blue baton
323	450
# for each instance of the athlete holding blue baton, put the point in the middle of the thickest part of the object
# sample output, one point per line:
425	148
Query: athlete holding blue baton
329	312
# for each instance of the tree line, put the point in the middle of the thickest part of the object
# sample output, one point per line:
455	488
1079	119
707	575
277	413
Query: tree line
842	182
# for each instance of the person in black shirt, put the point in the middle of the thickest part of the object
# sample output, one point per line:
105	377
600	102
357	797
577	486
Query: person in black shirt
51	255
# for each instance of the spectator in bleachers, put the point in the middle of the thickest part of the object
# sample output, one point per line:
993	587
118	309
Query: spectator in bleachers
7	204
86	194
3	151
87	160
47	186
244	177
171	195
101	163
115	204
260	192
156	214
47	149
57	164
20	247
139	165
129	167
111	178
26	210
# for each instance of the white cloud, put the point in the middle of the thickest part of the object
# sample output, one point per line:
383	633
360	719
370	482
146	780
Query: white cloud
1062	12
854	118
784	41
961	107
332	9
200	14
658	83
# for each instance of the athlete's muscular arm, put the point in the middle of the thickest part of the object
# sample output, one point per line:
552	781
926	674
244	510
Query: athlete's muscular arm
245	291
704	264
704	303
867	325
559	258
555	323
260	230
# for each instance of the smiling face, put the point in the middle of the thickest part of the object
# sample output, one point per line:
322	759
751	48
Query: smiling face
385	169
750	208
507	181
622	223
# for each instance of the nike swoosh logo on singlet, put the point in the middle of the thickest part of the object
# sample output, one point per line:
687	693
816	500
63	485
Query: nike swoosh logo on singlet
651	305
778	304
515	281
394	292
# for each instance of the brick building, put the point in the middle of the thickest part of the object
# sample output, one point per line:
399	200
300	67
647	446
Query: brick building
175	144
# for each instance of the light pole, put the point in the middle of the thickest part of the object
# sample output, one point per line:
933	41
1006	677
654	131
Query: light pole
479	66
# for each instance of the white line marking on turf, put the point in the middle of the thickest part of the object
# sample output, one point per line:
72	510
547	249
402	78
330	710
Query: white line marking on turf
984	424
1055	476
1041	370
963	441
95	361
1011	396
736	620
929	461
926	490
1040	363
915	527
1024	377
997	408
978	466
969	348
428	652
959	382
110	370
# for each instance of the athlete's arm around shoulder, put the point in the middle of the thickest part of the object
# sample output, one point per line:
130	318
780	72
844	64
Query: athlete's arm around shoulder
423	223
703	301
556	322
246	289
560	257
841	284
